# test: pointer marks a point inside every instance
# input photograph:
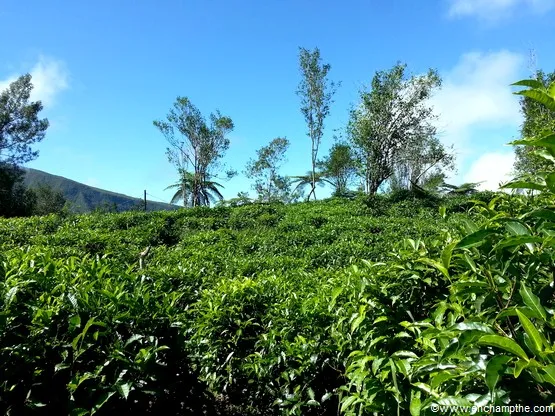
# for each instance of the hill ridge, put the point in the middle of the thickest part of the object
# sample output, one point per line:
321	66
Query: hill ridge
86	198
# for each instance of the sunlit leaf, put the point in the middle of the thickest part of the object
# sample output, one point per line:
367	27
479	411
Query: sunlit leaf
503	343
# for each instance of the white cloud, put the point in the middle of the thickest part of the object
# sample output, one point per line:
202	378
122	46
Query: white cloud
479	114
476	92
49	78
476	103
491	169
496	9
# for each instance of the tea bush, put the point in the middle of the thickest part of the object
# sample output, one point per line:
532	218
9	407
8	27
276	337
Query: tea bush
348	306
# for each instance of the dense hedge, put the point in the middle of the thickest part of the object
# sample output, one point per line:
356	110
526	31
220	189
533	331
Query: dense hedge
309	308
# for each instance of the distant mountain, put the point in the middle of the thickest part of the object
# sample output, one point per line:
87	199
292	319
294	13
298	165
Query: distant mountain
85	198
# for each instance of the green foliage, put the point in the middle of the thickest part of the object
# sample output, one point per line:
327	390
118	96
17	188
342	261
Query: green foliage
489	335
196	147
380	304
269	184
537	117
20	126
15	200
339	168
389	146
47	201
207	191
241	303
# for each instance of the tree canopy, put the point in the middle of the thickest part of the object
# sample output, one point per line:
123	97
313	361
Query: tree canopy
195	146
20	125
269	184
392	130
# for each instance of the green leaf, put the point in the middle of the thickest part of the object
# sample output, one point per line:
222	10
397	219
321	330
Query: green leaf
132	339
415	403
517	228
446	255
517	241
454	401
124	389
545	154
503	343
475	238
519	366
549	371
540	96
469	225
546	214
532	332
442	214
524	185
531	300
532	83
426	389
437	265
470	262
75	321
551	89
356	323
472	326
10	295
348	402
101	401
550	181
547	140
494	369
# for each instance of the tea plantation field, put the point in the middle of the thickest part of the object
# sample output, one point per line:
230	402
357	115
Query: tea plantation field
364	306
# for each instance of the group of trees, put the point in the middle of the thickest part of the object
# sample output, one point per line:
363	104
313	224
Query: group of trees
391	142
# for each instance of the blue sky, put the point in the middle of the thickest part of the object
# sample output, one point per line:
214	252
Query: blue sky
106	69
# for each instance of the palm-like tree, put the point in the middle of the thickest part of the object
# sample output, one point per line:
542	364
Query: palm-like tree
305	180
195	190
467	188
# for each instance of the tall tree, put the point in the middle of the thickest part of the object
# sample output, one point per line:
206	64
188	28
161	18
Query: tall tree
20	127
537	118
195	145
339	167
316	93
392	121
269	184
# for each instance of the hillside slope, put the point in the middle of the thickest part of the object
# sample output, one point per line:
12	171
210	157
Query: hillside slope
85	198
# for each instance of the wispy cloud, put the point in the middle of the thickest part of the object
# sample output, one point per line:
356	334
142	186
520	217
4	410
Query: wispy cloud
49	77
476	103
496	9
